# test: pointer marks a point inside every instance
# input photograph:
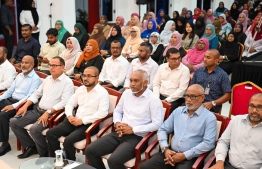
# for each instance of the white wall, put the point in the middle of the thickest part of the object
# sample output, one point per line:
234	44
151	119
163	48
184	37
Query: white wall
227	3
177	5
125	8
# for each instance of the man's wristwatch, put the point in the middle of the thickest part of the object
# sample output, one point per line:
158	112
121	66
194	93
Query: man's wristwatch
213	103
49	111
163	149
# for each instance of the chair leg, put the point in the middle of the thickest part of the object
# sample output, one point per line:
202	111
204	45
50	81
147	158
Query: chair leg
18	145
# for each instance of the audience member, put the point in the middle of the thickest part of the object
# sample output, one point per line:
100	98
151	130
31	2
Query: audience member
22	87
234	11
218	29
200	26
158	47
149	16
183	12
225	25
138	112
126	31
210	15
151	27
242	19
196	13
189	17
229	18
98	35
160	14
166	34
210	35
240	35
189	38
214	80
106	28
203	14
181	24
220	9
194	129
165	19
81	35
171	80
119	22
63	33
175	16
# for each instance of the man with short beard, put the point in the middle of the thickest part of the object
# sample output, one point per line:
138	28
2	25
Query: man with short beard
194	129
24	85
241	140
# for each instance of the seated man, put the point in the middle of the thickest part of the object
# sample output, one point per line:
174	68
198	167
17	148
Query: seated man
114	69
26	46
144	62
7	70
138	112
214	80
54	92
24	85
242	139
49	50
93	104
194	129
171	80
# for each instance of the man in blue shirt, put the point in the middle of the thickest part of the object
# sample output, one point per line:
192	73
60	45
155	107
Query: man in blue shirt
26	46
214	80
194	129
24	85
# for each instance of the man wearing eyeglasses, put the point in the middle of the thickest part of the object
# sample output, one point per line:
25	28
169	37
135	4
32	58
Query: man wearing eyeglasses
241	141
54	92
171	80
194	129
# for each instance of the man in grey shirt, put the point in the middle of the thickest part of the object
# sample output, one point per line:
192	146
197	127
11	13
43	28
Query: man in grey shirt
242	139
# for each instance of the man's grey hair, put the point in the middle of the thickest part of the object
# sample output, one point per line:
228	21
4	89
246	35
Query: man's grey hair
199	88
145	75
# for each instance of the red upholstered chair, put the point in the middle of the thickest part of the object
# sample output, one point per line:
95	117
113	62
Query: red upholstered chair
149	138
18	70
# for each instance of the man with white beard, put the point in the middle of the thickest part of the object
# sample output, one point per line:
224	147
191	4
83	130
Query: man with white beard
23	86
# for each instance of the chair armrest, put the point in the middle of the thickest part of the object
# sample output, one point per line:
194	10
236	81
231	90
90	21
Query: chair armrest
2	92
210	161
104	129
53	116
150	148
59	118
200	160
19	106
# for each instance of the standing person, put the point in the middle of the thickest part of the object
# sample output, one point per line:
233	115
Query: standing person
63	33
104	22
189	38
81	35
220	9
31	15
7	26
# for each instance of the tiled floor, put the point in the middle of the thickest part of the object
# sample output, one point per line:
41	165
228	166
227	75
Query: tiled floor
11	157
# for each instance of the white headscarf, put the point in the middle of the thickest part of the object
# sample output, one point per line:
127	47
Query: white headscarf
155	45
166	33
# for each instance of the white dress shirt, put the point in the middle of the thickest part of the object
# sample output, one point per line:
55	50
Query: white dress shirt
92	105
114	71
171	83
242	142
7	75
144	113
53	93
150	66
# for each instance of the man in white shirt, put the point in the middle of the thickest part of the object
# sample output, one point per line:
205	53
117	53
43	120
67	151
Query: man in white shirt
144	62
171	80
138	112
115	68
93	104
53	93
7	70
241	140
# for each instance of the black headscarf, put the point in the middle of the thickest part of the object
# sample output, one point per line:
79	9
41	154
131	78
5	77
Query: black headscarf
181	29
221	9
228	47
177	15
200	28
112	38
35	16
166	18
234	12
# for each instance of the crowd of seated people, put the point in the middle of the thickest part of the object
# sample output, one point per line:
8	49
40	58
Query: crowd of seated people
184	61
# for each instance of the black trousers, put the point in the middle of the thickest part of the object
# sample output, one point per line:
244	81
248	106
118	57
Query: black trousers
122	149
157	162
5	117
36	36
174	104
73	134
9	40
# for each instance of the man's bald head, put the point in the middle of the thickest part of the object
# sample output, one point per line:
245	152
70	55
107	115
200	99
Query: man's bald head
257	95
214	53
29	59
197	88
27	64
96	71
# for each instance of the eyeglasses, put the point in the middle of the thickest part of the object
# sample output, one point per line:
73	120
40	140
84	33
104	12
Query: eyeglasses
174	59
54	66
87	76
191	97
258	108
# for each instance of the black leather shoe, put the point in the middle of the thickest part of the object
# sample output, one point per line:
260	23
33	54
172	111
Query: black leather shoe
4	150
28	152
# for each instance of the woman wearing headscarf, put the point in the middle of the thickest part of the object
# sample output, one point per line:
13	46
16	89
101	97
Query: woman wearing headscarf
210	35
120	22
220	9
242	19
194	58
115	35
174	42
181	24
200	26
234	11
196	13
149	16
133	22
106	28
217	26
229	18
81	35
189	38
183	12
229	53
240	35
32	16
71	55
225	25
89	57
158	47
130	50
256	11
203	14
159	16
167	32
189	17
63	33
175	16
151	27
210	16
98	34
164	21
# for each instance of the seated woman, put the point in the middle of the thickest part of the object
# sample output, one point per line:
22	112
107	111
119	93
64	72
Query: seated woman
158	47
200	26
151	27
181	24
120	22
210	16
242	19
98	35
160	14
148	17
225	25
240	35
174	42
189	16
189	38
63	34
229	18
115	35
133	22
81	35
106	28
130	50
194	58
210	35
89	57
229	53
167	32
220	9
164	21
203	14
71	55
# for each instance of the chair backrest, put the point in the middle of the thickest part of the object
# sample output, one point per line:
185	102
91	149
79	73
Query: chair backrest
167	109
41	75
241	50
240	96
221	124
77	84
18	70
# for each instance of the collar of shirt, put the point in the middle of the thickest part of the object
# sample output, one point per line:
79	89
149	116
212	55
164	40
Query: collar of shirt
246	119
168	68
146	62
60	78
215	70
96	88
197	112
53	45
28	40
118	58
5	63
30	74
